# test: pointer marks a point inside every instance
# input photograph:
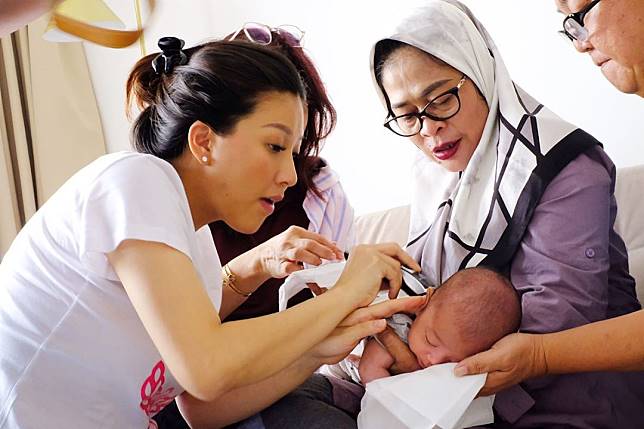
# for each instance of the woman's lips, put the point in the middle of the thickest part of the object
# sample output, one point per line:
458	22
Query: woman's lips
268	205
446	150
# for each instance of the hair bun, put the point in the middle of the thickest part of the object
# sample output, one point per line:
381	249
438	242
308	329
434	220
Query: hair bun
169	45
171	55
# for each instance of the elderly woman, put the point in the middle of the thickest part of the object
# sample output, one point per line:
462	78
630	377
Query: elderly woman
502	181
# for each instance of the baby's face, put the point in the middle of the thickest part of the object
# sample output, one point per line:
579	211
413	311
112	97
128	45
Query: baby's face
434	339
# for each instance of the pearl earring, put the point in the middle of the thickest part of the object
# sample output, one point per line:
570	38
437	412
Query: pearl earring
204	159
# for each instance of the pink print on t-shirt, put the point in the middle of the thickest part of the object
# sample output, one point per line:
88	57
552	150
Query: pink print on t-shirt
153	397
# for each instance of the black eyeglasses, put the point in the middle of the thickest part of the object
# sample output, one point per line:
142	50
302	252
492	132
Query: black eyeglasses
439	108
573	24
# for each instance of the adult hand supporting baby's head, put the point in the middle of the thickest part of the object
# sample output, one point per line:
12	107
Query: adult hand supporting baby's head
361	323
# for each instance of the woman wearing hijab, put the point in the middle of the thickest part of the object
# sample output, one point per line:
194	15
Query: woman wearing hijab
501	181
614	38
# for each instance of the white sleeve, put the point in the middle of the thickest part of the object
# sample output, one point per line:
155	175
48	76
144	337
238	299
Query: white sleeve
135	198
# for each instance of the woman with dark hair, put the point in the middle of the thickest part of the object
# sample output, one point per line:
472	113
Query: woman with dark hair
316	204
110	293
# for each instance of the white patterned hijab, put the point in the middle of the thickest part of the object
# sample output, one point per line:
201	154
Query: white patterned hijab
479	216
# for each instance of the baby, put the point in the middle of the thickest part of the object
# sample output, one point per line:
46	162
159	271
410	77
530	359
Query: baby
467	314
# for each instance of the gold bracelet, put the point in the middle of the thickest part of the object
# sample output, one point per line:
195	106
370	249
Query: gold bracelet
228	279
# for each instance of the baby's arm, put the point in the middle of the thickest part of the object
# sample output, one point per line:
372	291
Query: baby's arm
375	362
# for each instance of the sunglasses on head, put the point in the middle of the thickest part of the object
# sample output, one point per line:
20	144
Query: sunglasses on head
263	34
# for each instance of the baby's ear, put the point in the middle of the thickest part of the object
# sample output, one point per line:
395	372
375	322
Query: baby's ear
426	303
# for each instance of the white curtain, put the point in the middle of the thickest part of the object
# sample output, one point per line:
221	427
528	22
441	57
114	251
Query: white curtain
49	122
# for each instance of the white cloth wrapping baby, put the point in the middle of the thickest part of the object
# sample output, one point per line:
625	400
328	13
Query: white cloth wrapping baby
432	398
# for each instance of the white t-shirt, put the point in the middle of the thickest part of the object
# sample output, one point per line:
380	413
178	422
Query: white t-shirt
73	352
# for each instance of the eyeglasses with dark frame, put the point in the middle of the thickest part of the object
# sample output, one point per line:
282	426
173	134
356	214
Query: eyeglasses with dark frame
573	24
263	34
439	108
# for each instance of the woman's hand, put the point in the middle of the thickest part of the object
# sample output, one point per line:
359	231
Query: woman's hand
511	360
371	266
275	258
285	253
360	324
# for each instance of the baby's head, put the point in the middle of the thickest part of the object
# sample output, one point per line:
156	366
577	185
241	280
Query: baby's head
466	315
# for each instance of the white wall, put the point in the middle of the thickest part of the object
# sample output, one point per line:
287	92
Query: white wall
373	164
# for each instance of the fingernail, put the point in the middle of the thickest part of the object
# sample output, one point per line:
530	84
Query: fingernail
460	370
381	324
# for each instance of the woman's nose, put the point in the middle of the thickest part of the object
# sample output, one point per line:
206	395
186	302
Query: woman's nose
288	173
430	127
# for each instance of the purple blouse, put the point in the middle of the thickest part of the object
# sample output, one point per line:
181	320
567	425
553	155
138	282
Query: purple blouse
571	269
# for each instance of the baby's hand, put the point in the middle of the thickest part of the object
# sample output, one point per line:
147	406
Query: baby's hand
375	362
316	289
404	360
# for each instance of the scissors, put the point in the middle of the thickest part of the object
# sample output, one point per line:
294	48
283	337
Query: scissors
414	284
